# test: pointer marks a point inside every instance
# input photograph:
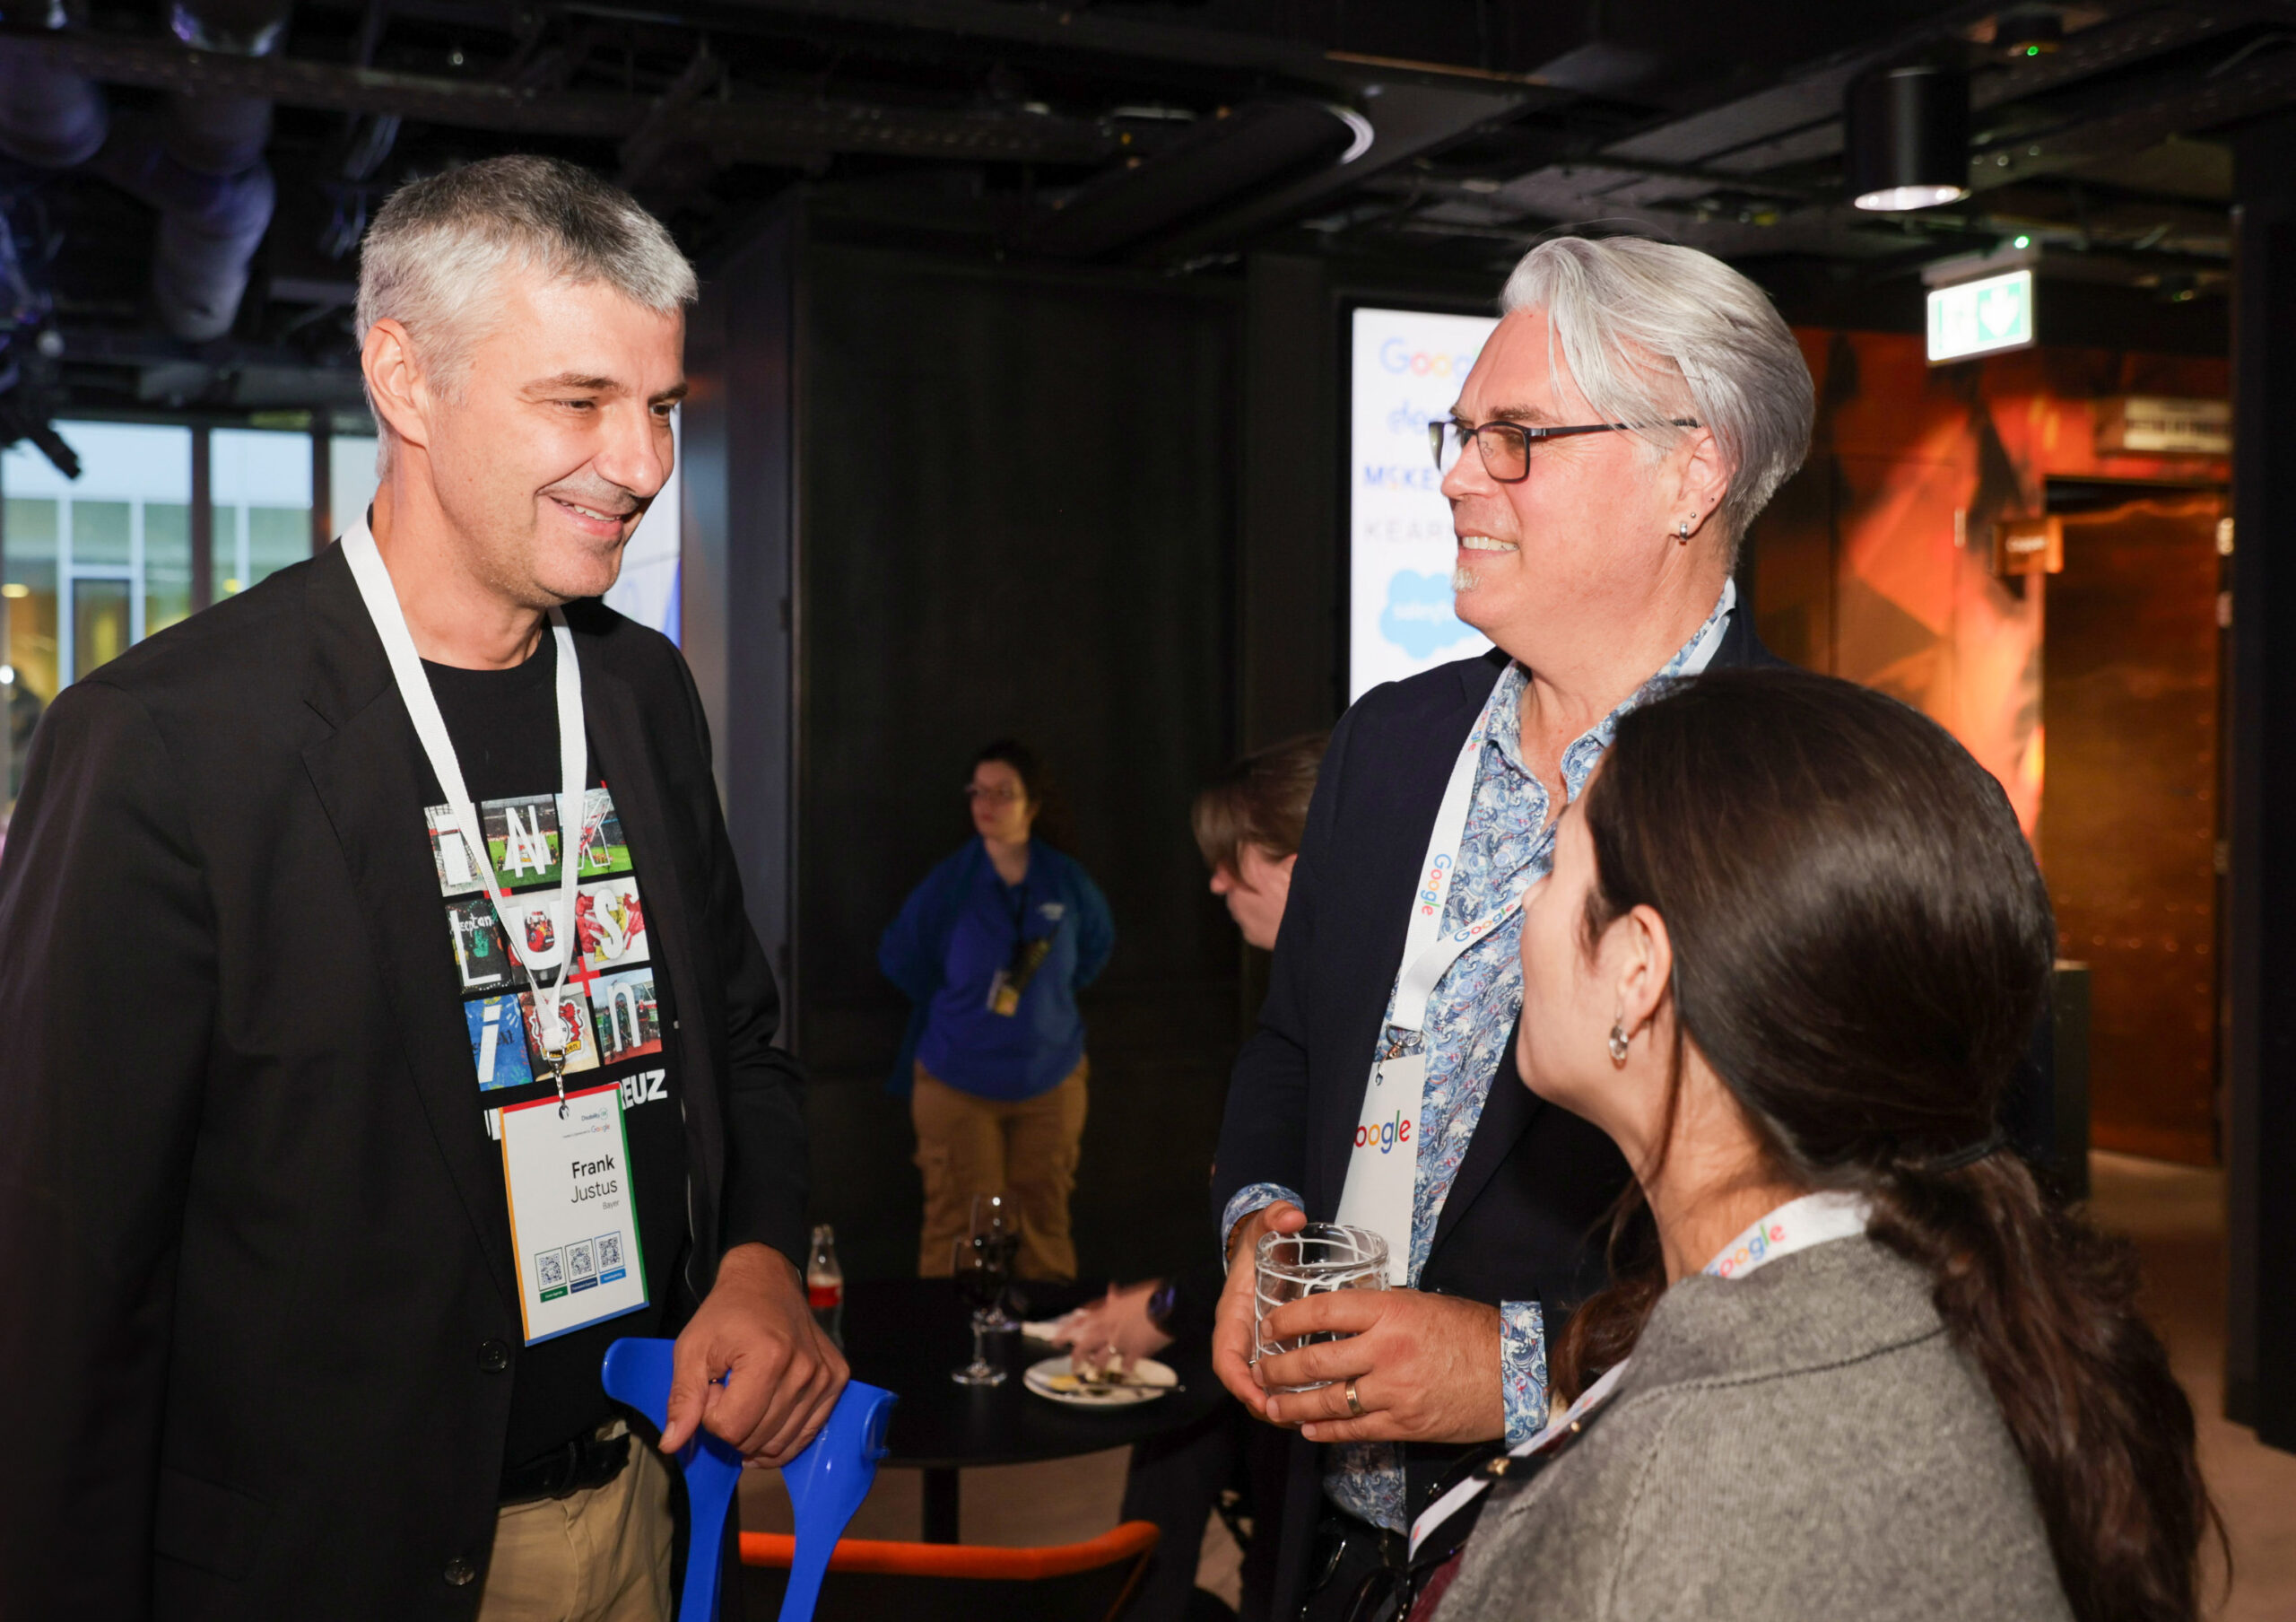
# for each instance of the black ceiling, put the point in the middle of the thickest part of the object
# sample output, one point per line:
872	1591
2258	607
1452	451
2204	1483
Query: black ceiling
1417	135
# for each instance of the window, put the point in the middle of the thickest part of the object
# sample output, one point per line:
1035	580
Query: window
91	566
88	566
351	478
263	504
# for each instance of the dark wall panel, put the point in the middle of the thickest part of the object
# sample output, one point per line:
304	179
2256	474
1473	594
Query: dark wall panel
2260	1361
1016	517
736	552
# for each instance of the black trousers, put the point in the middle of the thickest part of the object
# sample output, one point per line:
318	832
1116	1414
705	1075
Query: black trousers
1176	1480
1346	1551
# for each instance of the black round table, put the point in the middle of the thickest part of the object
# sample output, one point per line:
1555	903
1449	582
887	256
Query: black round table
908	1334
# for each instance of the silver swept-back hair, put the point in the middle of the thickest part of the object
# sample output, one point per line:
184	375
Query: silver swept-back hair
1651	331
434	258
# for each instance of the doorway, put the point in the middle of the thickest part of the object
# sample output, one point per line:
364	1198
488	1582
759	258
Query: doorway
2130	810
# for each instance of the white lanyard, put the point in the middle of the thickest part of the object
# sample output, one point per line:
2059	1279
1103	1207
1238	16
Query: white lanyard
1798	1224
1428	950
573	756
1383	1162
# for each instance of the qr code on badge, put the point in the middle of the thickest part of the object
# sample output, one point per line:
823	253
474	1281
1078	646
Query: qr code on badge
609	1251
579	1262
549	1269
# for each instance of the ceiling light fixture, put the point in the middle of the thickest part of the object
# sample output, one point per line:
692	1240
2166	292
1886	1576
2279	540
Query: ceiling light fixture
1907	137
1359	133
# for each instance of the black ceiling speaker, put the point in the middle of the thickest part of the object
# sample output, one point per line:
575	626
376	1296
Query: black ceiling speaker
1907	134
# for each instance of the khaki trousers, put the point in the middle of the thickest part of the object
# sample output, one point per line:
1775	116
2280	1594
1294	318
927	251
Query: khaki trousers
967	1145
602	1555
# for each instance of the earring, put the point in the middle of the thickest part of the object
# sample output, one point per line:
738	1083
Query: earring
1682	530
1618	1042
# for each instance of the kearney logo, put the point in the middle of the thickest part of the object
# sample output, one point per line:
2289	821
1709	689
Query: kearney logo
1384	1135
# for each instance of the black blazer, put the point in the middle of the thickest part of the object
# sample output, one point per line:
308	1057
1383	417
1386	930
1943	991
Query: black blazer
1523	1218
254	1284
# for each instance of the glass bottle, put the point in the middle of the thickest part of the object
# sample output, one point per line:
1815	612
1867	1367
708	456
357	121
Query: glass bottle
825	1284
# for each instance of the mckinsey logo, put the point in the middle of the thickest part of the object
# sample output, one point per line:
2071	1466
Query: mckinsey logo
1395	477
1418	616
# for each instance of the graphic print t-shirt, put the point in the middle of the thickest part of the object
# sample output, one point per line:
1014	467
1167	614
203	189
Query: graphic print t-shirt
504	724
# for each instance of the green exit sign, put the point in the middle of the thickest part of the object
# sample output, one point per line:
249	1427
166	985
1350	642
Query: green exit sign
1981	317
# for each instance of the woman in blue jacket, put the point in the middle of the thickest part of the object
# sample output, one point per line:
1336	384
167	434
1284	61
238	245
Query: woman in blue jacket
992	949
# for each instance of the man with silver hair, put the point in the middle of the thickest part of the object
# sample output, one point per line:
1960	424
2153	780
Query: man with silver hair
385	1033
1630	413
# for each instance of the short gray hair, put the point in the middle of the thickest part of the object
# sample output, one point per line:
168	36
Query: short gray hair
434	258
1648	328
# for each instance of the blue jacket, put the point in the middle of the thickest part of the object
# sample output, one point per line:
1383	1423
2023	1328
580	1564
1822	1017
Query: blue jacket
955	930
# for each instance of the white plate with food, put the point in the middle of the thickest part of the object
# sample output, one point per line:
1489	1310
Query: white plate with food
1144	1380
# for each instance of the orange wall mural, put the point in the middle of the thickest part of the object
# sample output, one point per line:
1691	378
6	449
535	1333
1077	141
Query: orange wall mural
1875	562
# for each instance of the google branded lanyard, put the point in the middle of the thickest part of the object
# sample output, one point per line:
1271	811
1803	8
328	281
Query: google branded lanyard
1383	1166
1798	1224
573	754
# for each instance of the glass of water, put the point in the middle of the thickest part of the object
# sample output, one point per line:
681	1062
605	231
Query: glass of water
1321	1257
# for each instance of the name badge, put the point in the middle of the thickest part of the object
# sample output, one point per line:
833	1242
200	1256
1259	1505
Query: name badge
573	1214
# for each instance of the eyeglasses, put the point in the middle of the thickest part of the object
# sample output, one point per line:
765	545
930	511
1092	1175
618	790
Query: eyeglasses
995	797
1505	447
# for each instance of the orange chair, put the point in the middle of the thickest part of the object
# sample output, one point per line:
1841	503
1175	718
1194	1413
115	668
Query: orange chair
871	1581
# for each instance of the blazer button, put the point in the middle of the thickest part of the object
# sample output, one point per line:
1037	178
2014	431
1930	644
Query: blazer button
460	1572
494	1356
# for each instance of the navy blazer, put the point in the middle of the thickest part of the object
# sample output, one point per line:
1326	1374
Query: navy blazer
1523	1220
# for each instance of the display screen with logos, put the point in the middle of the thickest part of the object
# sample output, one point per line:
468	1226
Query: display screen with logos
1406	370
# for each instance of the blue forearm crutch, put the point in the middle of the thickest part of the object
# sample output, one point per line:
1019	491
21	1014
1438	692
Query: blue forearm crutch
827	1481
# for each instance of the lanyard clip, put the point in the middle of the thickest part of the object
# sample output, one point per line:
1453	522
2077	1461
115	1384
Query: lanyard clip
555	1058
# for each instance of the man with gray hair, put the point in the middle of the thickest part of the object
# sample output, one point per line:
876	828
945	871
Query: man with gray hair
385	1033
1630	413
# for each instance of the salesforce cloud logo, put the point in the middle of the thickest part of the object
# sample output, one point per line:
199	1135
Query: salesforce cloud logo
1418	617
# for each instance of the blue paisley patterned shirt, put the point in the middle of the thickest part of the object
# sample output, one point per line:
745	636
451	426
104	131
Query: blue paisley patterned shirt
1509	845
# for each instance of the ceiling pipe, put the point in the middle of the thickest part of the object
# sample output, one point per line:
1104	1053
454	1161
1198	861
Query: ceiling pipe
200	164
48	120
220	193
1221	159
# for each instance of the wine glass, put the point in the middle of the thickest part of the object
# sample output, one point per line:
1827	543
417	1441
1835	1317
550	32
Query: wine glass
996	1229
980	1273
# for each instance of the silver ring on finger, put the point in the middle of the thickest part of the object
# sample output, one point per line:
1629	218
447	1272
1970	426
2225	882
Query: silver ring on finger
1355	1402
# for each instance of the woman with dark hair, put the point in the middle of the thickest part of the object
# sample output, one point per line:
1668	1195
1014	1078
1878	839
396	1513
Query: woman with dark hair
1851	1363
992	949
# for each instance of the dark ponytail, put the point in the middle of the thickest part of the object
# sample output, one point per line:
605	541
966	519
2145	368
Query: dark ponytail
2046	1307
1862	944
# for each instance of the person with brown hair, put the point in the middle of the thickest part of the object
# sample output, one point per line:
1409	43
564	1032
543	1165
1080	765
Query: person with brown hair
1851	1362
1248	822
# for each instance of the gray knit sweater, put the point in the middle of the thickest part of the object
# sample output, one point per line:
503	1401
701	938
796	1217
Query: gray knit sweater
1804	1441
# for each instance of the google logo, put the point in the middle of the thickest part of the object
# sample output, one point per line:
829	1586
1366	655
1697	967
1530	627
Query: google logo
1396	355
1385	1136
1745	1255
